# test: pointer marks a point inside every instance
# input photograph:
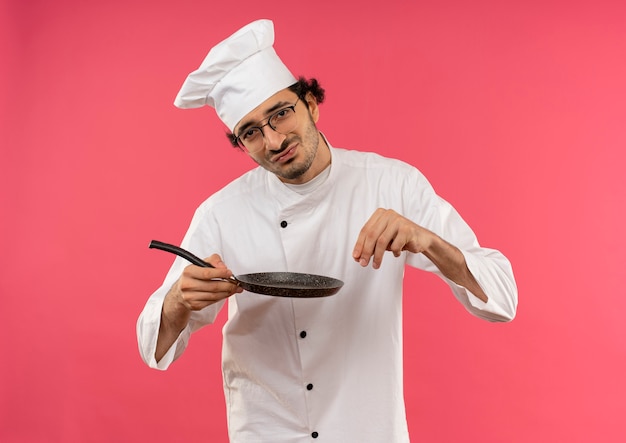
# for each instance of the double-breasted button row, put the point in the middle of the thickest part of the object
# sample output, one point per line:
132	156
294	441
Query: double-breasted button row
309	387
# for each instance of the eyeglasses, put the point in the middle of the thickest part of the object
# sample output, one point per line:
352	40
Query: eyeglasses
283	121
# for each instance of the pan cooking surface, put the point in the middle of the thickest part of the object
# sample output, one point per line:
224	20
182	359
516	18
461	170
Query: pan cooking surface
290	284
288	280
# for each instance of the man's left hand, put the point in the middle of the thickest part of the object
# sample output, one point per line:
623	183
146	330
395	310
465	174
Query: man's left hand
386	230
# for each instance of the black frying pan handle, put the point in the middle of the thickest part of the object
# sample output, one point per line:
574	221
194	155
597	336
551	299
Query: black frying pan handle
155	244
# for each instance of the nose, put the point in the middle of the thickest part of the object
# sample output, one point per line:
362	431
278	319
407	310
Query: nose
273	139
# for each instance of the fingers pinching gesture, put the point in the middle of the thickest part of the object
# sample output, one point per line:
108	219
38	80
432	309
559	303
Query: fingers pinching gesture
386	230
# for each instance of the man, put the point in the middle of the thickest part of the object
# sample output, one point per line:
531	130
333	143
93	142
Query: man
301	369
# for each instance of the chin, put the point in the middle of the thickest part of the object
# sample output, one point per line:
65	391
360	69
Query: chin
293	173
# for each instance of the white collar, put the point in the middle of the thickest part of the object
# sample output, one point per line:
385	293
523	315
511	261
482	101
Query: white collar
311	185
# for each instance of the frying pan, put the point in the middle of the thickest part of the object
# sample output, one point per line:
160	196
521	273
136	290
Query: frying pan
280	284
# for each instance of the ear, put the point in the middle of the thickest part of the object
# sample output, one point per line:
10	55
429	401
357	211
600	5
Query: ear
314	108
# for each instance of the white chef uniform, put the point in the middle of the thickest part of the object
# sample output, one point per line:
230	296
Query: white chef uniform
328	367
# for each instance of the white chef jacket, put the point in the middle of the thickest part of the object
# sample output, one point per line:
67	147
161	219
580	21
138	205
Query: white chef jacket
326	369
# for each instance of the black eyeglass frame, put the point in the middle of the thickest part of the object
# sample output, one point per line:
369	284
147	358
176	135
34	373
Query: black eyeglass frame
268	123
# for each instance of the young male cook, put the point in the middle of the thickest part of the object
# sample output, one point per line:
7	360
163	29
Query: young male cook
330	368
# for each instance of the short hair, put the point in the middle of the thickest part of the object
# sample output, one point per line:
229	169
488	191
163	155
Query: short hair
301	88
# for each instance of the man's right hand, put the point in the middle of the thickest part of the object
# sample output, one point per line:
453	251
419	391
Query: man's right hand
197	288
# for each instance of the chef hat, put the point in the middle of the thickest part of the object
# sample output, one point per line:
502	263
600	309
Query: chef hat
237	75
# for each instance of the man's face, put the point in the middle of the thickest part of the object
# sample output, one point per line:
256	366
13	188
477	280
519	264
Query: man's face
290	156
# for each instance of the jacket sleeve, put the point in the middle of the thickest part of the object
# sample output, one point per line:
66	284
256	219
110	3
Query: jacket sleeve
198	241
491	269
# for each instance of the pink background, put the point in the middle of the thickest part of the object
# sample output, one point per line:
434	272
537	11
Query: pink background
516	111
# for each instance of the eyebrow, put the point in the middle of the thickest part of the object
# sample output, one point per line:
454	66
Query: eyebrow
268	113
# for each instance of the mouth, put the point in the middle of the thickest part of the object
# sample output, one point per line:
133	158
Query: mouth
286	155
